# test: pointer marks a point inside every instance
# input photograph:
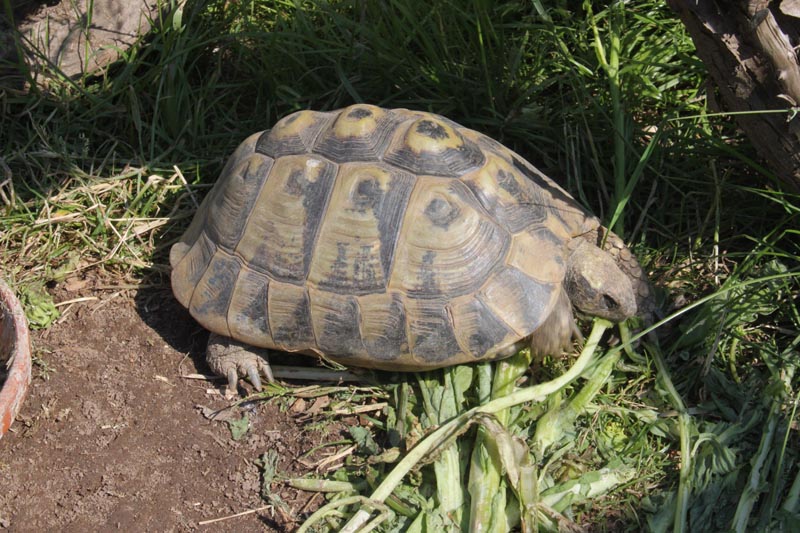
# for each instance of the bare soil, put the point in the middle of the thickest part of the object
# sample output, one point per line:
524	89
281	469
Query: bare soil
112	436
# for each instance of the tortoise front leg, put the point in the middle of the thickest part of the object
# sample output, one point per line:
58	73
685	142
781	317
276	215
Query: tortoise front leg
234	359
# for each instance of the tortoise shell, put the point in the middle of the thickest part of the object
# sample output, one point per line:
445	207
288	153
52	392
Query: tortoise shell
390	239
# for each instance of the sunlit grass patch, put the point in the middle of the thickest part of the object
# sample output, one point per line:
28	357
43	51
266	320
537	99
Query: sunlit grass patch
80	222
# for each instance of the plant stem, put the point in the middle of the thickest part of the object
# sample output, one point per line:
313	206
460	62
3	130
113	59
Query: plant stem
618	114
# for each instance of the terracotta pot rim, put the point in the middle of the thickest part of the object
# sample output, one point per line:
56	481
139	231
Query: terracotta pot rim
13	335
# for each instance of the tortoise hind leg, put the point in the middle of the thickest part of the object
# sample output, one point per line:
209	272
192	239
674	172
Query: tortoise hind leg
233	359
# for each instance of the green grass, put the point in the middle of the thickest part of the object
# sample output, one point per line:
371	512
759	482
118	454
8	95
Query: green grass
696	430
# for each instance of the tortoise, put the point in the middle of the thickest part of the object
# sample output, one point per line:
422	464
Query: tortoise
391	239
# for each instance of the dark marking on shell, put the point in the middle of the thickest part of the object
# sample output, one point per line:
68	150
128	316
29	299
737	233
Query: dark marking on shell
364	275
297	333
233	198
263	143
340	332
359	113
254	313
315	202
428	274
432	333
212	298
479	344
338	276
533	176
547	235
296	184
508	183
431	129
392	342
441	212
486	329
368	194
362	278
389	213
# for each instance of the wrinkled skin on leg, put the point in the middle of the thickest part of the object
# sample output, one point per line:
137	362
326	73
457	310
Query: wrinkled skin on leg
230	358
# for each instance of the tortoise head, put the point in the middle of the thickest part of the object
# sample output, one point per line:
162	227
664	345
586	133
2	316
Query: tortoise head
596	285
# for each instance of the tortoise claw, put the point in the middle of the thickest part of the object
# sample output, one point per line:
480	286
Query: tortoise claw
252	374
234	360
267	370
233	379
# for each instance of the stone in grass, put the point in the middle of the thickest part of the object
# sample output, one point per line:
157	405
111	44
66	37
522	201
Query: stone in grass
79	37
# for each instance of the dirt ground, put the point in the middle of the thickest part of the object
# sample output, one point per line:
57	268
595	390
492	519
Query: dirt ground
112	437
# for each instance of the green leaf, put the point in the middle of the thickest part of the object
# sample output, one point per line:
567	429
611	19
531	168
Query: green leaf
239	427
364	441
269	470
588	486
38	304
